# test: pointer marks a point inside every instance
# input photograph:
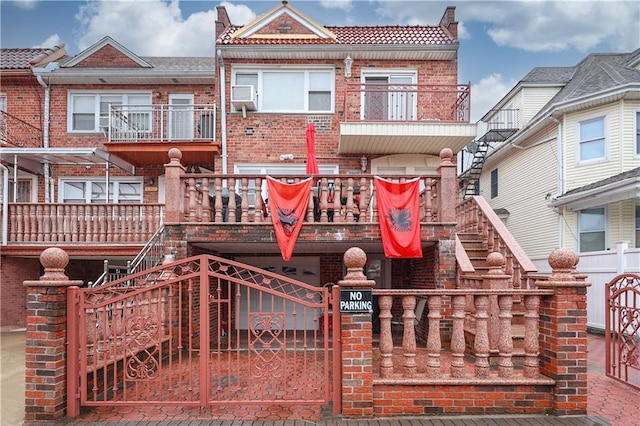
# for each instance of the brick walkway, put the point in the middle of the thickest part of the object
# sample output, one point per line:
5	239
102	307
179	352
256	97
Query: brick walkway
609	403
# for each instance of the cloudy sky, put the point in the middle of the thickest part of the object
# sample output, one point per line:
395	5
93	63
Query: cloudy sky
500	41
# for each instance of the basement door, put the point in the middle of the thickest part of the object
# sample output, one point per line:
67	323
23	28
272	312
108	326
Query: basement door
305	269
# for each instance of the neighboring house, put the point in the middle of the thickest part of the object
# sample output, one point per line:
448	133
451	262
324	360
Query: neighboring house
560	161
89	165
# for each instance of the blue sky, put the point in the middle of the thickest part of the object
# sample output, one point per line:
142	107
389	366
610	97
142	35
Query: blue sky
500	41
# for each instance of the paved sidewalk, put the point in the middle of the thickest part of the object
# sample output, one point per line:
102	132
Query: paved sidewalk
609	403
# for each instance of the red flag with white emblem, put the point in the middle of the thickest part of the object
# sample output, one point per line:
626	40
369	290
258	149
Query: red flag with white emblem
288	206
399	213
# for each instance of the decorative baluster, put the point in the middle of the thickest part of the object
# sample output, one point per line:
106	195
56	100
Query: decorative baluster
531	367
206	206
505	340
349	205
458	304
102	218
386	339
259	202
434	343
71	223
82	223
481	343
324	217
409	335
244	200
34	224
428	209
364	199
338	217
218	200
192	197
231	207
16	222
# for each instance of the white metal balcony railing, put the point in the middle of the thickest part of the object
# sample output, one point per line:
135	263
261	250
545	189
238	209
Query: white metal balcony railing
508	118
160	123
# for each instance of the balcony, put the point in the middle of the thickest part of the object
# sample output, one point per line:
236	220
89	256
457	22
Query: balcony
142	134
405	118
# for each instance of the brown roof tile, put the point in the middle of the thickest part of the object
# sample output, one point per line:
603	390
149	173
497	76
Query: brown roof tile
18	58
381	35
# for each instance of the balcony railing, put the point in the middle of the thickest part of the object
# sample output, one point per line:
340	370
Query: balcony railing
508	118
83	223
407	102
16	132
161	123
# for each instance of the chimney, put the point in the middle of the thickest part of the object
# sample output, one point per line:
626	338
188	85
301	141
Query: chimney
223	21
449	22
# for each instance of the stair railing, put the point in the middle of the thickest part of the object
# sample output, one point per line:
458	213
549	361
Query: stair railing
475	215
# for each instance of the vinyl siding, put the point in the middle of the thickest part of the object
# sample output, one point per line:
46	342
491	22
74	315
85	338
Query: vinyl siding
629	158
526	179
533	99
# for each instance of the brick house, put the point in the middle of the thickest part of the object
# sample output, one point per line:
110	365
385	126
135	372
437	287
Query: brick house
159	166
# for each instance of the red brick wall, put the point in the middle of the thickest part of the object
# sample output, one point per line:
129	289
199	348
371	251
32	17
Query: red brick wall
13	294
25	103
108	56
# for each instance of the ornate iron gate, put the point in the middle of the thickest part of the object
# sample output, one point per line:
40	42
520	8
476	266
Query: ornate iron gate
622	335
174	335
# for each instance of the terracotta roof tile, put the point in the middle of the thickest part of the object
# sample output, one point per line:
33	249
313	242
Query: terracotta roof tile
18	58
390	35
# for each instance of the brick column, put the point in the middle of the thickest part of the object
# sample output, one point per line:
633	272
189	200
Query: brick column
448	188
46	371
563	334
357	343
174	192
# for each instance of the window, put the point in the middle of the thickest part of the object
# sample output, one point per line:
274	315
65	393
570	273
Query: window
22	191
306	90
638	225
95	191
591	224
89	112
494	183
591	140
638	133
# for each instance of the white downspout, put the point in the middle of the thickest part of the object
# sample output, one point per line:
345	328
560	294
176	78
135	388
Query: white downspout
223	111
5	203
48	189
560	178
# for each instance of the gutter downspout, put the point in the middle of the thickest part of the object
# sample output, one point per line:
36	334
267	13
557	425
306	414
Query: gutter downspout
48	187
5	203
559	177
223	111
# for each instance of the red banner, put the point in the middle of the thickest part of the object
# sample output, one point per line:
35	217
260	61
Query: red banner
399	213
288	206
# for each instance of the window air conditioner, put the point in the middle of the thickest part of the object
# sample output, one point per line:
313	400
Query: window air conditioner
243	97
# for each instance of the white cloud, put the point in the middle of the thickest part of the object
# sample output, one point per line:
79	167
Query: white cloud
344	5
239	14
25	4
487	93
533	26
157	29
53	40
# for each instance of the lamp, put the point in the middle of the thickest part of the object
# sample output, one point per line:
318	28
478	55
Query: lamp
347	66
363	163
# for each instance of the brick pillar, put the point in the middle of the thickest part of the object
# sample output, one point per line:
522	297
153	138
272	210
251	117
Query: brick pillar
174	192
45	352
563	334
447	190
357	343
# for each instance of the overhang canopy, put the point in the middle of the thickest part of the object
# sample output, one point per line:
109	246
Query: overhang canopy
32	159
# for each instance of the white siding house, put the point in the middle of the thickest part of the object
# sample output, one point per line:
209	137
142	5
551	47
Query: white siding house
569	174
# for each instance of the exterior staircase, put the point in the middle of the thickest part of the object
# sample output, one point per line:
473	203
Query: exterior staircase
477	252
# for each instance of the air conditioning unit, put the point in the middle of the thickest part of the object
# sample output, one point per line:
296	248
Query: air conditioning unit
243	97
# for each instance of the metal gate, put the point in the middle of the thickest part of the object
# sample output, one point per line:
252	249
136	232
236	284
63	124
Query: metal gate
172	335
622	335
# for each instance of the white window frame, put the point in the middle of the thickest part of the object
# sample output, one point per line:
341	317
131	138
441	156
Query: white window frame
603	230
305	71
637	134
580	141
97	94
90	181
409	114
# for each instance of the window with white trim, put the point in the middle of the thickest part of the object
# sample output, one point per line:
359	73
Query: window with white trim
638	133
290	90
93	190
494	183
389	94
89	111
592	229
591	140
638	225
